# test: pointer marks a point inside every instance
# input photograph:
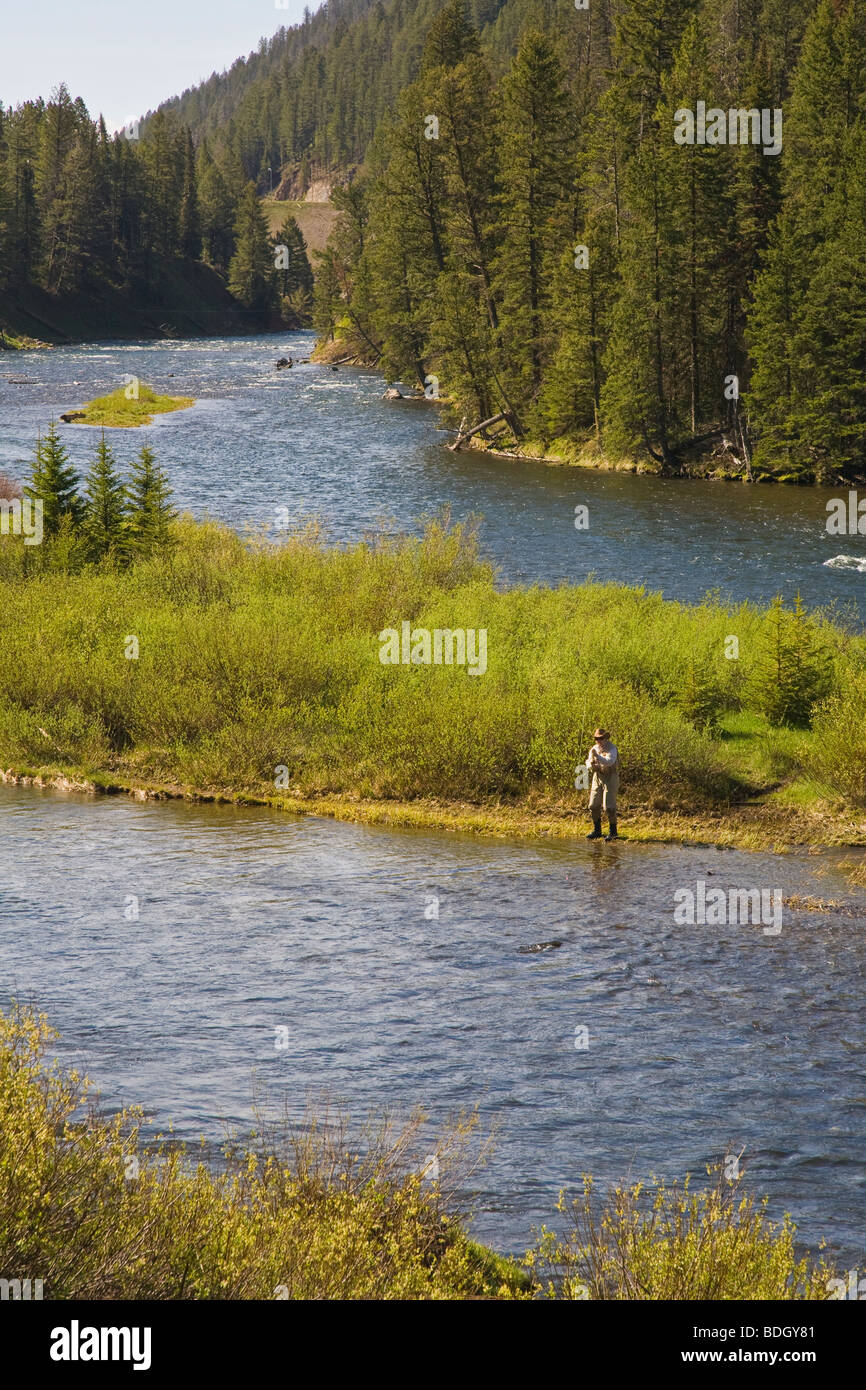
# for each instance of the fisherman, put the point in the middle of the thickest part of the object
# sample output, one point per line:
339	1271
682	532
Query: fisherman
603	760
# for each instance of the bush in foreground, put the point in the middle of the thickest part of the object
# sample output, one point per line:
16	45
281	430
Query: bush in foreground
664	1242
94	1215
91	1212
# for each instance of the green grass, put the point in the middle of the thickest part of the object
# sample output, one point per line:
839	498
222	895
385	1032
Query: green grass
119	411
254	657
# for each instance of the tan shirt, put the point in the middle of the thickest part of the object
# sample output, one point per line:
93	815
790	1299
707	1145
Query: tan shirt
603	758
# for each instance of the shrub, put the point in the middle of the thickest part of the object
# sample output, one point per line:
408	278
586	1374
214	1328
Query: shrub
838	756
671	1242
795	673
89	1210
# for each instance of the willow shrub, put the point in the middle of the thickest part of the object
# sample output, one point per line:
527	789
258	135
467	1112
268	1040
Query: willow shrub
90	1211
671	1242
85	1208
838	755
253	656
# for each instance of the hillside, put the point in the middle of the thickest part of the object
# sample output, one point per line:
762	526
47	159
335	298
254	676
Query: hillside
190	301
639	245
313	95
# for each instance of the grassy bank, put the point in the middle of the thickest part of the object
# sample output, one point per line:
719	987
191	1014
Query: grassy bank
308	1211
258	677
127	408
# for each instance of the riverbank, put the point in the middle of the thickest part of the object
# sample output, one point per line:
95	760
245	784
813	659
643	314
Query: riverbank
712	460
757	827
183	299
305	676
325	1210
719	466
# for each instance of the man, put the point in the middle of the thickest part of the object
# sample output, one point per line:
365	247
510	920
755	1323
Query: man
603	760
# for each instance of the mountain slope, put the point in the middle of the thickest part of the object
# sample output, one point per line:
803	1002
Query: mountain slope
314	94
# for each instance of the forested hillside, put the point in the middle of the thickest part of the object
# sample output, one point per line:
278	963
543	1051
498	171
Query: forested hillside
99	232
525	217
314	94
550	252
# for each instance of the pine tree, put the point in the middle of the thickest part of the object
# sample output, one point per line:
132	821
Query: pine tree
408	250
150	511
216	210
535	178
771	332
806	325
251	273
327	303
190	222
163	165
294	275
57	134
54	481
104	523
451	38
668	350
795	672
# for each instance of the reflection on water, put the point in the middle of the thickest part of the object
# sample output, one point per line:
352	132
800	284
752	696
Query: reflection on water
699	1037
317	440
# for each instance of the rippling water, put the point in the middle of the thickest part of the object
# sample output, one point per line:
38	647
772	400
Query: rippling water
315	440
700	1038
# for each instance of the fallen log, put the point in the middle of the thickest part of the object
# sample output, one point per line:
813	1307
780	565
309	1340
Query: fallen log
463	435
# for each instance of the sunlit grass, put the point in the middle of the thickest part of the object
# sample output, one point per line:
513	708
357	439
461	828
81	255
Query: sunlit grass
254	658
119	410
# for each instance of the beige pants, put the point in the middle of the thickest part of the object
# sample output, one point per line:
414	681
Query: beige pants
602	794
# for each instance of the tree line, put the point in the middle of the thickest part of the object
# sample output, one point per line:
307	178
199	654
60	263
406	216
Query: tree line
545	248
78	206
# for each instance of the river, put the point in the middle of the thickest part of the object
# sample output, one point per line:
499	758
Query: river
699	1040
323	442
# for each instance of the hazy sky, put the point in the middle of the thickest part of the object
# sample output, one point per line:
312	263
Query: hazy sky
123	58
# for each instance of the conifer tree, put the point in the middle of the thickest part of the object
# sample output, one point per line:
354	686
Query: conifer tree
535	178
190	221
294	275
251	272
104	523
216	210
150	511
795	671
450	39
55	482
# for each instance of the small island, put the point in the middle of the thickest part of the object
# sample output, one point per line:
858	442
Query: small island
126	408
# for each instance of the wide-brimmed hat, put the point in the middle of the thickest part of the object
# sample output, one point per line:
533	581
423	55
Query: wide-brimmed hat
601	733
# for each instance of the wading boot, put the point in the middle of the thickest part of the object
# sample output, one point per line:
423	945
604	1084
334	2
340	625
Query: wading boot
595	833
611	834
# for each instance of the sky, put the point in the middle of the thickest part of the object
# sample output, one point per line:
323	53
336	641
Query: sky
124	57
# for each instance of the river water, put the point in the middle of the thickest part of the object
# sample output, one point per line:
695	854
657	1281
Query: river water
699	1040
319	441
